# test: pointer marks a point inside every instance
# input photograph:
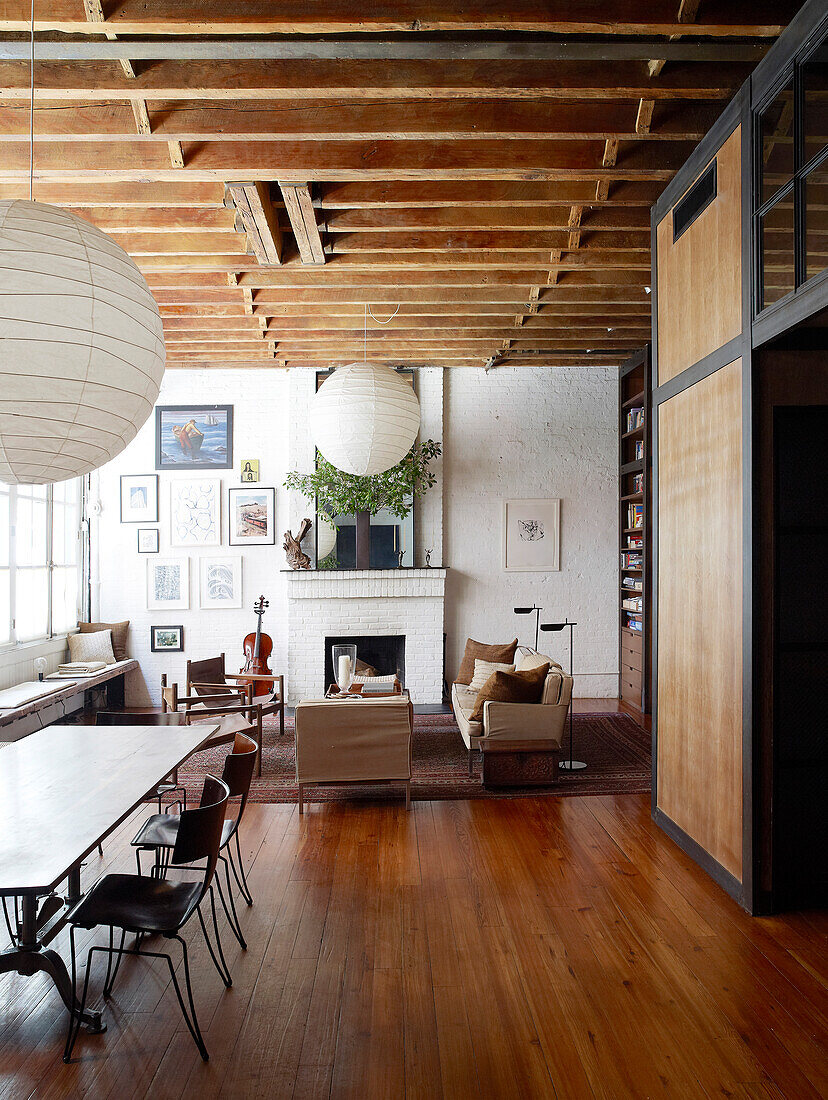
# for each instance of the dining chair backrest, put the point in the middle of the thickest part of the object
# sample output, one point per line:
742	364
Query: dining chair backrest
238	770
136	718
199	830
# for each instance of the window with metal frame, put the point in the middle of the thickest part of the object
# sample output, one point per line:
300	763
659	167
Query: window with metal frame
41	560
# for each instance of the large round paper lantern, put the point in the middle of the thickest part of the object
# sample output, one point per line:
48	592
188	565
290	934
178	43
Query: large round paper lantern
364	418
81	345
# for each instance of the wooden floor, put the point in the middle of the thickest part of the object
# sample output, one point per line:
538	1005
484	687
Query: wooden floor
527	948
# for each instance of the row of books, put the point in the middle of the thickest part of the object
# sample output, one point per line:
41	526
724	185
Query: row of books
638	483
633	622
635	542
633	603
635	418
631	559
635	583
639	449
635	515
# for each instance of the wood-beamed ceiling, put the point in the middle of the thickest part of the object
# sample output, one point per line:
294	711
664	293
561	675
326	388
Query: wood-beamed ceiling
502	203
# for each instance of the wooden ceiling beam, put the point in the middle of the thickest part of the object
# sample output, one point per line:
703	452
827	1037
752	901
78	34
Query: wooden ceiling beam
105	193
95	15
390	286
485	241
417	120
370	80
260	220
211	17
412	195
393	160
300	211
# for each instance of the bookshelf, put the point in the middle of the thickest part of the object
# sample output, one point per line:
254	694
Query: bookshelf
634	464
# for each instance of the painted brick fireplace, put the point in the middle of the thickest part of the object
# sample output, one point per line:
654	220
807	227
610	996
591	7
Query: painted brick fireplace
405	602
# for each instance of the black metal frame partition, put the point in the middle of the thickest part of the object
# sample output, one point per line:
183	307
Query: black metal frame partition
805	33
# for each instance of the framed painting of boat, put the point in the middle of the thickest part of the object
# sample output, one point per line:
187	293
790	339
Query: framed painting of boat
251	518
194	437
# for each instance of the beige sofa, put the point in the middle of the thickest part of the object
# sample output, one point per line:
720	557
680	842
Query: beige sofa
517	722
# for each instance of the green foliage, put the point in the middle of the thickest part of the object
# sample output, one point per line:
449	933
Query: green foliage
341	494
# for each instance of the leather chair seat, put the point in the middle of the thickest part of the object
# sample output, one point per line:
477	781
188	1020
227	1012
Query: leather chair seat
161	831
137	904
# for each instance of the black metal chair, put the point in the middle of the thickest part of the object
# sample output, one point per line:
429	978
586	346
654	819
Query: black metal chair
142	718
152	906
159	832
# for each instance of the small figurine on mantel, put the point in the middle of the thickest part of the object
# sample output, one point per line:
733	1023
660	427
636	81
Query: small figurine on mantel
428	554
296	557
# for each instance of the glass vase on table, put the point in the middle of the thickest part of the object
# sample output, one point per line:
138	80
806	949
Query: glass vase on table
344	666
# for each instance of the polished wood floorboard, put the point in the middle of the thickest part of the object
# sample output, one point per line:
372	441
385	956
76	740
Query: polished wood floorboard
527	948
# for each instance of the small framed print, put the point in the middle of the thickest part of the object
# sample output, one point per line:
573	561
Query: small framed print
532	535
167	639
168	584
148	540
250	470
220	581
139	498
251	517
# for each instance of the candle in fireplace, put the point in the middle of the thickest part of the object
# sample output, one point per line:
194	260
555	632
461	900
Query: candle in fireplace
343	672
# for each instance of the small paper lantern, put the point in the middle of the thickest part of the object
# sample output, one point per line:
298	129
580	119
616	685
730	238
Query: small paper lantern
364	418
325	537
81	345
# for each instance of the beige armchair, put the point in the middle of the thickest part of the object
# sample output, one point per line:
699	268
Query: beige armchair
517	727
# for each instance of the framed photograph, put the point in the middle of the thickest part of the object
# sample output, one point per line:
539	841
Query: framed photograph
249	470
532	535
139	498
148	540
220	582
195	512
168	584
251	517
167	639
194	437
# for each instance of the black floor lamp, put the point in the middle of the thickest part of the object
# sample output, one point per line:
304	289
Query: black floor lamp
528	611
569	765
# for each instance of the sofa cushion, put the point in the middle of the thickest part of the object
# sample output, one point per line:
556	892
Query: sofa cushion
484	669
533	659
92	647
463	700
511	687
503	654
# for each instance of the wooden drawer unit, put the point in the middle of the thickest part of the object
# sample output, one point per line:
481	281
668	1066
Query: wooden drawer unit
631	652
631	685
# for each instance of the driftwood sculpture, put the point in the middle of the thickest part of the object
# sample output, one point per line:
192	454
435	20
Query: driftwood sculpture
296	557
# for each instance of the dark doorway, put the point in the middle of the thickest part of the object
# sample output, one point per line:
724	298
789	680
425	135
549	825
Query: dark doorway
792	621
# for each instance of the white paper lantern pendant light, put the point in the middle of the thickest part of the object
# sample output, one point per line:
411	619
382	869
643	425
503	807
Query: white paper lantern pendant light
364	418
81	343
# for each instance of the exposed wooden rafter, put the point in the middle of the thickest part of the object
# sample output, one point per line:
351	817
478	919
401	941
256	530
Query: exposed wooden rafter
260	220
300	211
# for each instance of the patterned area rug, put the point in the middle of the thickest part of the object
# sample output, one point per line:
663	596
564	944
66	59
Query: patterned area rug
614	746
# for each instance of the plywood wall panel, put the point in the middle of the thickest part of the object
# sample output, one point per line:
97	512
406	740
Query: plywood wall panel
700	613
700	276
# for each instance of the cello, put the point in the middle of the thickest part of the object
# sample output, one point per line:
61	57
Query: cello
257	648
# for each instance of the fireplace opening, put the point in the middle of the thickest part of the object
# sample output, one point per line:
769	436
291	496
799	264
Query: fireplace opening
382	653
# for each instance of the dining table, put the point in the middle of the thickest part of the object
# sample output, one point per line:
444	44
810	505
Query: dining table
63	790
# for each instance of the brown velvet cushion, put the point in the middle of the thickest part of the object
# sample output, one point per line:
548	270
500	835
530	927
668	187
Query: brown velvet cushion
501	654
119	635
511	687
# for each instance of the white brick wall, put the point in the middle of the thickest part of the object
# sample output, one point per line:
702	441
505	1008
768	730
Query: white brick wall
534	432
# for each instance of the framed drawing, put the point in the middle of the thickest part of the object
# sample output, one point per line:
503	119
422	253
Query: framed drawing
532	535
139	498
148	540
220	582
168	584
250	470
167	639
194	437
195	512
251	517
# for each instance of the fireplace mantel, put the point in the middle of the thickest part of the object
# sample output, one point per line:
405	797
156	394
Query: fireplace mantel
312	584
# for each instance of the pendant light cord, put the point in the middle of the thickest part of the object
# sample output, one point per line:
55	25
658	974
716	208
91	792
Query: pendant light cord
365	323
31	104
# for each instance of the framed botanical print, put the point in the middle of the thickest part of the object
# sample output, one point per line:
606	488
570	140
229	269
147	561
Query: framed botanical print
194	437
168	584
251	517
220	581
148	540
139	498
532	535
167	639
195	512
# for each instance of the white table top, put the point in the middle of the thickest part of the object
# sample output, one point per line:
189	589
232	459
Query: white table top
65	788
